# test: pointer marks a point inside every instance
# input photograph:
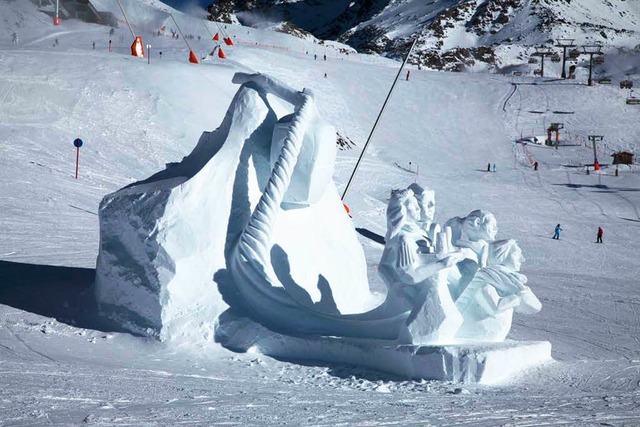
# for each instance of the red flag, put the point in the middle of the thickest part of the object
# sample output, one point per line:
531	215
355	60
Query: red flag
216	37
221	54
193	58
228	41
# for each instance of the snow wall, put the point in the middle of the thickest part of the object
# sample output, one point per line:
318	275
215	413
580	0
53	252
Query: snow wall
163	239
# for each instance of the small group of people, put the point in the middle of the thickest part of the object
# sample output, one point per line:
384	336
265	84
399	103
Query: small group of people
558	229
489	167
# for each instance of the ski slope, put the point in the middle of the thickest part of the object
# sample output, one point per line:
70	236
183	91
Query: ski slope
61	364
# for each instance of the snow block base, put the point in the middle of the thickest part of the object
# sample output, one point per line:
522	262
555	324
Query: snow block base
486	363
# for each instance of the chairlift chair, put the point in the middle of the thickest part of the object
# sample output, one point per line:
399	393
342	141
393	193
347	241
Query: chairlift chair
533	61
574	53
537	72
604	80
626	84
633	100
555	58
598	60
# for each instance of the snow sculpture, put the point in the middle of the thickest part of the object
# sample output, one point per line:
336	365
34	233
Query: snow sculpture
414	274
495	292
163	239
254	207
419	262
314	169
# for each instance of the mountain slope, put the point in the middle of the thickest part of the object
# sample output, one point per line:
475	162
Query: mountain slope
452	34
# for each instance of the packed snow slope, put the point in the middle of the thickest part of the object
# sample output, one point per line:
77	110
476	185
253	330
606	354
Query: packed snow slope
61	364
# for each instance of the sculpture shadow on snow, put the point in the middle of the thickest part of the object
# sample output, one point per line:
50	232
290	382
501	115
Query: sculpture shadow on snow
64	293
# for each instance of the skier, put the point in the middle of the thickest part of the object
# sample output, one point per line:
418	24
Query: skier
325	57
556	233
535	166
94	45
14	38
600	233
408	74
494	167
488	167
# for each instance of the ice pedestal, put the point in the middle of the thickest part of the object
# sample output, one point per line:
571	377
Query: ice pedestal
486	363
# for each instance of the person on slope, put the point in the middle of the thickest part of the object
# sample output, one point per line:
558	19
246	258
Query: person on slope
556	232
599	236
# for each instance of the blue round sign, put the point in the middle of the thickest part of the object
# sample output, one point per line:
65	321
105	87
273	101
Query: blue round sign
77	142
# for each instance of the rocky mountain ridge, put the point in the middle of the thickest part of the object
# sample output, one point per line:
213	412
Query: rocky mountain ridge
452	35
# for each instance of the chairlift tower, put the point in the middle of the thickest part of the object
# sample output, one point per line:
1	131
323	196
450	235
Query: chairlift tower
594	139
591	50
565	44
542	52
554	127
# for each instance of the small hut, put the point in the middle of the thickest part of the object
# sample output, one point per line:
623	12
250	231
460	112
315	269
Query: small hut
622	158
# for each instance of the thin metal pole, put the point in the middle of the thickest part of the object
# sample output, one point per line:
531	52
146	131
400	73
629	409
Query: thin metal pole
126	19
355	169
178	27
57	7
207	28
77	160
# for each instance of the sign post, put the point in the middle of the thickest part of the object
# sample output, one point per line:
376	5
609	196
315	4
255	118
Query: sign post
77	143
148	53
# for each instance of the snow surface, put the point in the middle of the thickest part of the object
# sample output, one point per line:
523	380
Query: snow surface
61	364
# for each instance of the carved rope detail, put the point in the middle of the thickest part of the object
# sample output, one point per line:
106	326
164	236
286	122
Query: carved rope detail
256	237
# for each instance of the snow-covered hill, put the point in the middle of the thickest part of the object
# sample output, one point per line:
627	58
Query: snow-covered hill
62	364
452	34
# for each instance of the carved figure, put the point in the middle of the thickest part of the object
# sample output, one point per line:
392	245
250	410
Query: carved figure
415	276
496	291
427	202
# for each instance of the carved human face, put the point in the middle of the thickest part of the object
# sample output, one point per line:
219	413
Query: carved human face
428	206
514	259
488	229
413	209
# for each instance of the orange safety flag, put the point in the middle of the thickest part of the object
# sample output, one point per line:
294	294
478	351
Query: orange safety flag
596	166
216	37
193	58
56	20
221	54
346	208
228	41
137	48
